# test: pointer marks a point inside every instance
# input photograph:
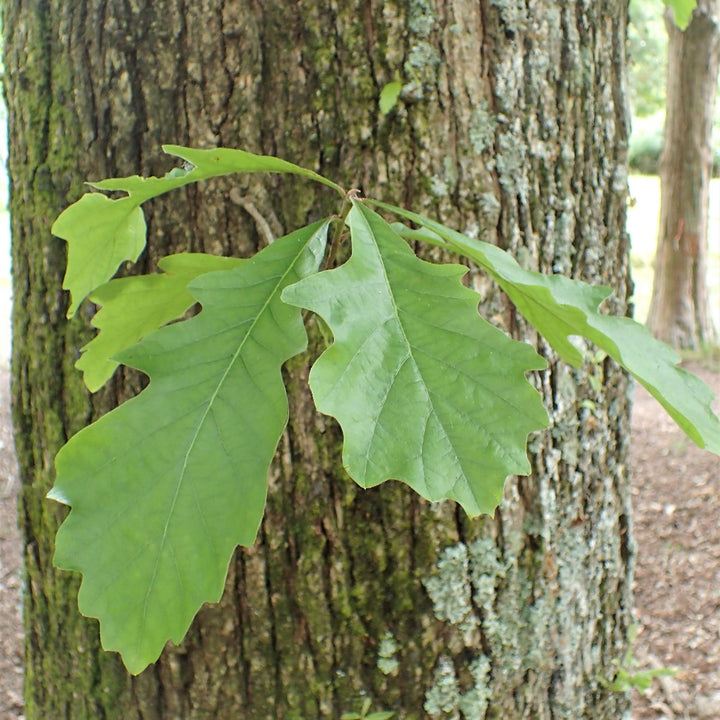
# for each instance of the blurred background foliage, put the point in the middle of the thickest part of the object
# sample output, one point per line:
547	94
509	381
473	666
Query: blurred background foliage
647	40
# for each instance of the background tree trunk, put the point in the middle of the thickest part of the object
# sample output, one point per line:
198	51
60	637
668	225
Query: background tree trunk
512	126
679	312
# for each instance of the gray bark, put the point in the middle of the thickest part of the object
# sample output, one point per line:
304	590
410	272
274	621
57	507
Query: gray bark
511	126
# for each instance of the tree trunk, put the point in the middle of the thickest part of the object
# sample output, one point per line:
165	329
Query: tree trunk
512	126
679	309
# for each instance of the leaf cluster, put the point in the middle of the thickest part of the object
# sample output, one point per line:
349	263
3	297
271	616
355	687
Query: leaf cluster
427	392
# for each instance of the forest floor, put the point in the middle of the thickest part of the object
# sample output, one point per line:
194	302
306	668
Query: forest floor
676	501
676	495
11	625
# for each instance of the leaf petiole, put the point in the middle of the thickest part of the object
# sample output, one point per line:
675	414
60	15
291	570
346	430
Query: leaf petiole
339	231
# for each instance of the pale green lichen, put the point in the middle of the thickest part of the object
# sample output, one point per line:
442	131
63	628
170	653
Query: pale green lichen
450	171
387	663
510	162
444	696
450	590
423	58
563	250
482	128
490	209
513	14
474	703
421	18
486	570
438	186
514	633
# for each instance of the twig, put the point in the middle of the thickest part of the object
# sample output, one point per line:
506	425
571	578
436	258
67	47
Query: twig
261	223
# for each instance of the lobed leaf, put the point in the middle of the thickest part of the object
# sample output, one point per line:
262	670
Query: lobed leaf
560	307
133	307
426	391
165	486
224	161
103	233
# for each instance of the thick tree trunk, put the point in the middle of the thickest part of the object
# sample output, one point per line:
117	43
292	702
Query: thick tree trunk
679	309
512	126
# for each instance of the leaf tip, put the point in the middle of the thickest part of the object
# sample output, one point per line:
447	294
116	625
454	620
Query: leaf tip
72	310
56	493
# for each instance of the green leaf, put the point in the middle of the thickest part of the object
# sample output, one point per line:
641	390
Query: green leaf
133	307
164	487
389	96
223	161
682	11
560	308
426	391
102	233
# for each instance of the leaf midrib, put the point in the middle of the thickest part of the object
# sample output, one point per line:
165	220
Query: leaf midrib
204	416
409	349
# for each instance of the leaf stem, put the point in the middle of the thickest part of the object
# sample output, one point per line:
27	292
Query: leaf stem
350	197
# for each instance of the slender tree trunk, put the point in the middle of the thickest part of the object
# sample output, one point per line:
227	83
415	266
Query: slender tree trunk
679	309
512	126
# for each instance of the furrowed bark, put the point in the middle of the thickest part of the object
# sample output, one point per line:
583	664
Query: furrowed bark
512	127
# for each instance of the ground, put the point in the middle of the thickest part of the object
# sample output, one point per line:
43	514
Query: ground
676	498
676	494
11	634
